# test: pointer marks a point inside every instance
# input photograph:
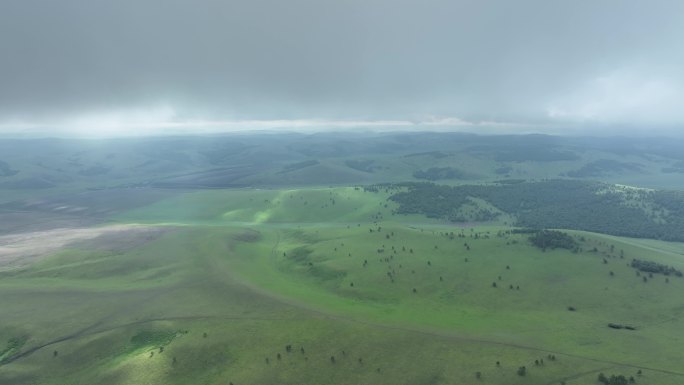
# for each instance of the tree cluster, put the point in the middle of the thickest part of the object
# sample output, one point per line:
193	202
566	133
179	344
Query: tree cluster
569	204
553	239
654	267
614	379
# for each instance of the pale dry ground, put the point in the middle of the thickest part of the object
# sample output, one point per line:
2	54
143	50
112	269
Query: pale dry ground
21	249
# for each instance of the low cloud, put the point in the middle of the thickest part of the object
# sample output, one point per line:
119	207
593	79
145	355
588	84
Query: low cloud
106	67
622	96
164	120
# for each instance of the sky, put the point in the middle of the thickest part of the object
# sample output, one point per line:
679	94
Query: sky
126	67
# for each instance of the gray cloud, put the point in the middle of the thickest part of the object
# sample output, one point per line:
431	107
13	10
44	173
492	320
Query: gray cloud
544	62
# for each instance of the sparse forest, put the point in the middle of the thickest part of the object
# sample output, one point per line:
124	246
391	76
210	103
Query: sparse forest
569	204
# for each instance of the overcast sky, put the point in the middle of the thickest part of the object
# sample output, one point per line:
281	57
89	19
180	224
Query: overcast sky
182	65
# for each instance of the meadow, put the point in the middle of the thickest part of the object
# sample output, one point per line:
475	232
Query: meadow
328	285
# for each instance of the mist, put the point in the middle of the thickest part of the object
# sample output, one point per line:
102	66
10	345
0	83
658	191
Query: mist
129	67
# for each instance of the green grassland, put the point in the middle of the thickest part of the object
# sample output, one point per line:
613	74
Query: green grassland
360	294
322	206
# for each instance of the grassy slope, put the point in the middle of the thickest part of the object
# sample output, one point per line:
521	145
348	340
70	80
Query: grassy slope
465	301
288	206
224	273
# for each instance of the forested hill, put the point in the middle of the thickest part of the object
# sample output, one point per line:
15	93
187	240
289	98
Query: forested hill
569	204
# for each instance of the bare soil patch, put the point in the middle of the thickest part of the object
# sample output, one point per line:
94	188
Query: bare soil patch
21	249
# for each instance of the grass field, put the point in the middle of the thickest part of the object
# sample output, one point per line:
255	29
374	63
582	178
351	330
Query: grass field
360	296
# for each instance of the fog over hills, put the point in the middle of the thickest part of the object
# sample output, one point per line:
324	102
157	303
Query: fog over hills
341	192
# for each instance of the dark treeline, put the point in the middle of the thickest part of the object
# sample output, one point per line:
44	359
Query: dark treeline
615	379
552	239
654	267
432	200
569	204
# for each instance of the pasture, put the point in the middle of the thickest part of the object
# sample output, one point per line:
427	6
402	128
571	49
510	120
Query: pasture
328	285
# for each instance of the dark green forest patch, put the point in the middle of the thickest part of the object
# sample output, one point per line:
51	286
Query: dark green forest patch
566	204
553	239
654	267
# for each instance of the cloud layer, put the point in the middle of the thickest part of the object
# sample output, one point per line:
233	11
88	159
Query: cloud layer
573	63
